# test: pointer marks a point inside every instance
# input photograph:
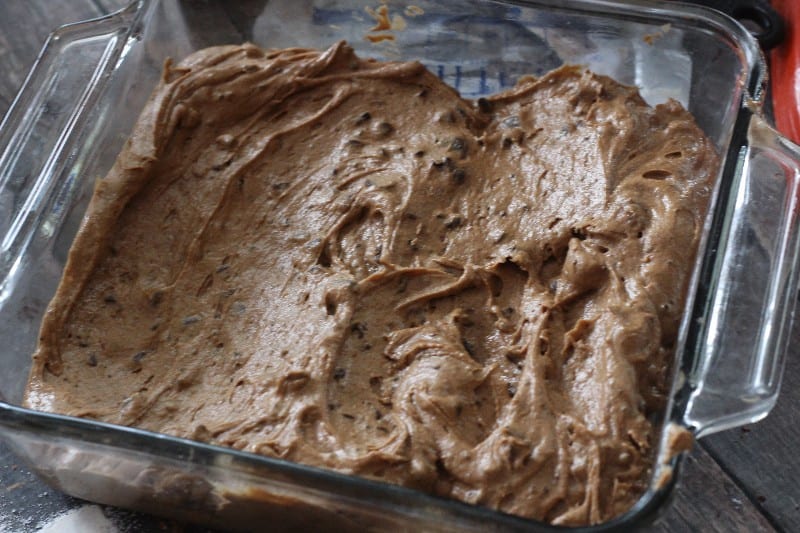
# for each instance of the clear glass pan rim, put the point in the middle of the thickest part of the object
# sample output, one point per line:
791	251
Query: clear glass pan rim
16	418
19	419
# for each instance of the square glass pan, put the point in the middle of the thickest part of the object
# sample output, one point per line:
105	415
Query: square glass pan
92	79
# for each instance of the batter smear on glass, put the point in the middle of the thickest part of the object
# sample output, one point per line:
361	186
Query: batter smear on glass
340	262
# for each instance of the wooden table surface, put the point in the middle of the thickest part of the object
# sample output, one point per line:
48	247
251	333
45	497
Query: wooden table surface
744	479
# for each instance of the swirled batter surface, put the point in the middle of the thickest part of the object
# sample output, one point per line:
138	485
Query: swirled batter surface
341	262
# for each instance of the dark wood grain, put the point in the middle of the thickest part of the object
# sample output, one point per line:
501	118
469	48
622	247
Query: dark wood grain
706	499
744	482
765	457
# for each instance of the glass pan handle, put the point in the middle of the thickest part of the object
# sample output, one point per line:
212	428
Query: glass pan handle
748	320
42	128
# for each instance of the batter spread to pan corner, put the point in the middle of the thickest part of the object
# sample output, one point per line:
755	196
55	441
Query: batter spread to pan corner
340	262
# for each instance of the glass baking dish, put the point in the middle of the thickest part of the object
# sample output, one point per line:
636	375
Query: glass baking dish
90	82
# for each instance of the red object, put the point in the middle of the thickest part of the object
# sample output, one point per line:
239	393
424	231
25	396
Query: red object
785	71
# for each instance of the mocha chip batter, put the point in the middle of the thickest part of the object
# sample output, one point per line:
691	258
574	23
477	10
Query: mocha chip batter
341	262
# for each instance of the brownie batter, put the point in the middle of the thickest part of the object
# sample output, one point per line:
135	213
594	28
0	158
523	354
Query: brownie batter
340	262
